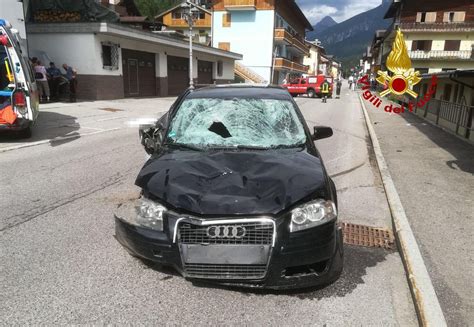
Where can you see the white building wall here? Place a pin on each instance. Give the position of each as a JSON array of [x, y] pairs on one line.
[[57, 47], [251, 34], [87, 57]]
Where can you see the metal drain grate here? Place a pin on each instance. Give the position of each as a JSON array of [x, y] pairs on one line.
[[111, 109], [367, 236]]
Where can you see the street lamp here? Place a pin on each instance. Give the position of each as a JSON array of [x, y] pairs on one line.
[[190, 16]]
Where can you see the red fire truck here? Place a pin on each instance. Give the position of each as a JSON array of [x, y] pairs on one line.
[[310, 85]]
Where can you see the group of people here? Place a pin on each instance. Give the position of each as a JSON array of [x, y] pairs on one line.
[[50, 80]]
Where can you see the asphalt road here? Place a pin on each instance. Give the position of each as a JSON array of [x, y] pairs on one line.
[[60, 263]]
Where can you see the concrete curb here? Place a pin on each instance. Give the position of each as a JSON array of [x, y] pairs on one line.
[[423, 293]]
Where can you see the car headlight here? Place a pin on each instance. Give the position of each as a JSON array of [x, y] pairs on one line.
[[142, 212], [312, 214]]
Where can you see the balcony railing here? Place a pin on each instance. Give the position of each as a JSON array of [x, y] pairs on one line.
[[441, 54], [282, 34], [283, 63], [444, 27], [240, 4]]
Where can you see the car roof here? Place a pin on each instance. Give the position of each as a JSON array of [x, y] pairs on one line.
[[230, 91]]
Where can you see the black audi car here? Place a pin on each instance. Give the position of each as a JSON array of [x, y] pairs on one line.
[[235, 192]]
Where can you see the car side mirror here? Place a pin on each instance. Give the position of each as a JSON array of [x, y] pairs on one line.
[[321, 132], [150, 138]]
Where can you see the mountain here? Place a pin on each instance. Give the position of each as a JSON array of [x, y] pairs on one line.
[[348, 40], [321, 26]]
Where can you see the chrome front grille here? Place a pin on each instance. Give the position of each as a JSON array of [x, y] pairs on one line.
[[256, 233], [225, 271]]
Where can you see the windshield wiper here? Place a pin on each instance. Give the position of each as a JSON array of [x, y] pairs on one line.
[[184, 146], [289, 146], [251, 147]]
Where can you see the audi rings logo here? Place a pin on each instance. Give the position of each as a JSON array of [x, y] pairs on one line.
[[226, 231]]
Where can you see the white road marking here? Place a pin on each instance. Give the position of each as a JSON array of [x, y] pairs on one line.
[[60, 138], [112, 118]]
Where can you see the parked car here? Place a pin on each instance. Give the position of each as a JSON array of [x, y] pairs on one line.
[[310, 85], [235, 192], [19, 98]]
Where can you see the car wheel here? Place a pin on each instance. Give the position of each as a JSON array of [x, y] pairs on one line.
[[26, 133], [311, 93], [294, 95]]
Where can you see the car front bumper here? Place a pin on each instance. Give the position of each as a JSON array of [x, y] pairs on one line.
[[313, 257]]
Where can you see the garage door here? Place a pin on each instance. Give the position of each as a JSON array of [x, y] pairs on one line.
[[204, 72], [138, 73], [178, 75]]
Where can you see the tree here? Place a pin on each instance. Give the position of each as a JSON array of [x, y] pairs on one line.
[[151, 8]]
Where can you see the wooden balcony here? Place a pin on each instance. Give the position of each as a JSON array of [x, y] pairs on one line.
[[169, 21], [283, 63], [441, 55], [282, 35], [240, 4]]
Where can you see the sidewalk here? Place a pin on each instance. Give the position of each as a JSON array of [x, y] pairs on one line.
[[433, 172]]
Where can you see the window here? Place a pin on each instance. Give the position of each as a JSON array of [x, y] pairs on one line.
[[424, 89], [426, 17], [202, 15], [456, 90], [110, 55], [424, 45], [454, 16], [176, 15], [452, 45], [422, 70], [224, 46], [447, 92], [220, 68], [226, 18]]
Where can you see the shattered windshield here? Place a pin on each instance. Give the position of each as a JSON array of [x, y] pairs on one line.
[[259, 123]]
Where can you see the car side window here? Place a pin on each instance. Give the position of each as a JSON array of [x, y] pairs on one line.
[[303, 81]]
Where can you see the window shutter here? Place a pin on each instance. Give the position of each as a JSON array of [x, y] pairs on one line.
[[431, 17], [224, 46], [226, 20], [418, 17], [446, 17], [459, 16]]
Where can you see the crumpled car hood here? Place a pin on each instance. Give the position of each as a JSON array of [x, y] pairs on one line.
[[232, 183]]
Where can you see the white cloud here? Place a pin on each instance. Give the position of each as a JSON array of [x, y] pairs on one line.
[[353, 9], [317, 13]]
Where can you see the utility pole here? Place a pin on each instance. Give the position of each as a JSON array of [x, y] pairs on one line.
[[189, 17]]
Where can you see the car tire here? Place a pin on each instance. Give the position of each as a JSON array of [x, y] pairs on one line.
[[294, 95], [25, 133], [311, 93]]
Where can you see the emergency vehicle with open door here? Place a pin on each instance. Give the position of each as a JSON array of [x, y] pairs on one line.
[[19, 98]]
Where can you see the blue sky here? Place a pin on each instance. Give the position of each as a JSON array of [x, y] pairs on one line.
[[339, 10]]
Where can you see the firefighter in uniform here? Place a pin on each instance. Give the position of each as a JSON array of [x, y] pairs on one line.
[[325, 90]]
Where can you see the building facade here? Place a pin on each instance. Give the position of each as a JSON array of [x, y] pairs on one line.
[[174, 20], [313, 59], [115, 61], [439, 35], [268, 33]]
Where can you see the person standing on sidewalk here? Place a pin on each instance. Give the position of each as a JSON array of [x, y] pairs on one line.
[[41, 77], [71, 77], [54, 75]]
